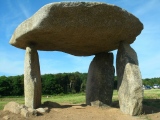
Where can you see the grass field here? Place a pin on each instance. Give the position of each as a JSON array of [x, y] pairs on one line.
[[151, 98]]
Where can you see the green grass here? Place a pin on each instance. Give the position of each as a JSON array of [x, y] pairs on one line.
[[151, 98], [63, 98], [66, 98], [115, 95], [152, 94], [5, 100]]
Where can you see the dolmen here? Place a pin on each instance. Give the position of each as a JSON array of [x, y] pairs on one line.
[[84, 29]]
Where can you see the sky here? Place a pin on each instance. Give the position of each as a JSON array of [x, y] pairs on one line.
[[147, 44]]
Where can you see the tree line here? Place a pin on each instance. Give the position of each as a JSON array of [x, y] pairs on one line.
[[151, 81], [51, 84], [54, 84]]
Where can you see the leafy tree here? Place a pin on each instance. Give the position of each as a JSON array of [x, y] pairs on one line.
[[17, 84], [151, 81], [55, 83], [5, 86]]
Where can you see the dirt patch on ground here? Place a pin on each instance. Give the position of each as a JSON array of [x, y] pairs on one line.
[[83, 112]]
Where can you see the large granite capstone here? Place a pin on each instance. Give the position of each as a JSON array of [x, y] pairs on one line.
[[78, 28]]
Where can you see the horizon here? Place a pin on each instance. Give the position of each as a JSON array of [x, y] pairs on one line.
[[69, 73]]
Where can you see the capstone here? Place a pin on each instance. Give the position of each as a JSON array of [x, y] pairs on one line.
[[77, 28]]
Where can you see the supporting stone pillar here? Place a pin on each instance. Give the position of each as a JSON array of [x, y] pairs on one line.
[[100, 80], [130, 92], [32, 78]]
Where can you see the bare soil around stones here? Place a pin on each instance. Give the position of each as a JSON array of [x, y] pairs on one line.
[[83, 112]]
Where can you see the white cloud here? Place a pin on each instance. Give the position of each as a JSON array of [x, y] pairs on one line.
[[50, 66], [150, 66], [58, 62], [146, 6], [11, 18], [24, 10], [9, 65]]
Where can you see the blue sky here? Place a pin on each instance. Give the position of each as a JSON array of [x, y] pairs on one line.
[[147, 44]]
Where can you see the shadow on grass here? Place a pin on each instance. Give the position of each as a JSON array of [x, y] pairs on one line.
[[150, 106], [51, 105], [115, 104]]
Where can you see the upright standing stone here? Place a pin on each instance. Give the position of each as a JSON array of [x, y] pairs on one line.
[[100, 79], [32, 79], [130, 92]]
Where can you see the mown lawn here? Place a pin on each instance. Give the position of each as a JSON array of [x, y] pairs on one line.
[[5, 100], [151, 98], [62, 98]]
